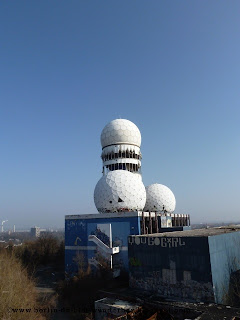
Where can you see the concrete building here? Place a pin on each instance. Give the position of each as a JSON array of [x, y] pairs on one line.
[[94, 237], [35, 232], [188, 265]]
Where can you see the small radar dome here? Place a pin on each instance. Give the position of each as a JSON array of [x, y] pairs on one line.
[[159, 198], [120, 131], [118, 191]]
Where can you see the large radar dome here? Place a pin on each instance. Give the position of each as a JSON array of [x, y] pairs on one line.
[[119, 190], [159, 198], [120, 131]]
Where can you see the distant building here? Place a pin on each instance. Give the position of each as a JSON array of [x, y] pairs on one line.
[[194, 265], [35, 232]]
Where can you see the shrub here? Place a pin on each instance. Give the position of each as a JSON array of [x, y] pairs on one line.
[[18, 297], [42, 251]]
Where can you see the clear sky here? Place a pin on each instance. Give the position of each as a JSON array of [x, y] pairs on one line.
[[69, 67]]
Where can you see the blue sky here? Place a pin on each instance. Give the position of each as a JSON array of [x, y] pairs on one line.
[[70, 67]]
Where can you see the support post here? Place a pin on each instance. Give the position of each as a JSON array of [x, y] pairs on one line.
[[143, 224], [150, 222], [156, 222]]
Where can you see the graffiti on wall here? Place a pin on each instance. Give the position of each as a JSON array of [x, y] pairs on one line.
[[77, 241], [194, 290], [157, 241], [166, 222], [70, 224]]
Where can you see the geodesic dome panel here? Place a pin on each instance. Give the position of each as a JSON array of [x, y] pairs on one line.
[[159, 198], [119, 190], [120, 131]]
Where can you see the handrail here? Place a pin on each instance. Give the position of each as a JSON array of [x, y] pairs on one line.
[[102, 245]]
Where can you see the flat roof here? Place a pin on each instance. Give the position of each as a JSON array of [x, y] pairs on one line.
[[119, 215], [105, 215], [206, 232]]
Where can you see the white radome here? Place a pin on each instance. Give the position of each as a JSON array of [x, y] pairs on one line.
[[119, 190], [120, 131], [159, 198]]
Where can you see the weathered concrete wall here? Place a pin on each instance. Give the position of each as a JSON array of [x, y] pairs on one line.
[[172, 267], [225, 258], [192, 290]]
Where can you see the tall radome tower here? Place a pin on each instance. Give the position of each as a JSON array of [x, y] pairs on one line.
[[120, 188], [121, 141]]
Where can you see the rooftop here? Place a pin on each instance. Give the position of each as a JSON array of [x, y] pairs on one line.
[[116, 303], [119, 215], [207, 232]]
